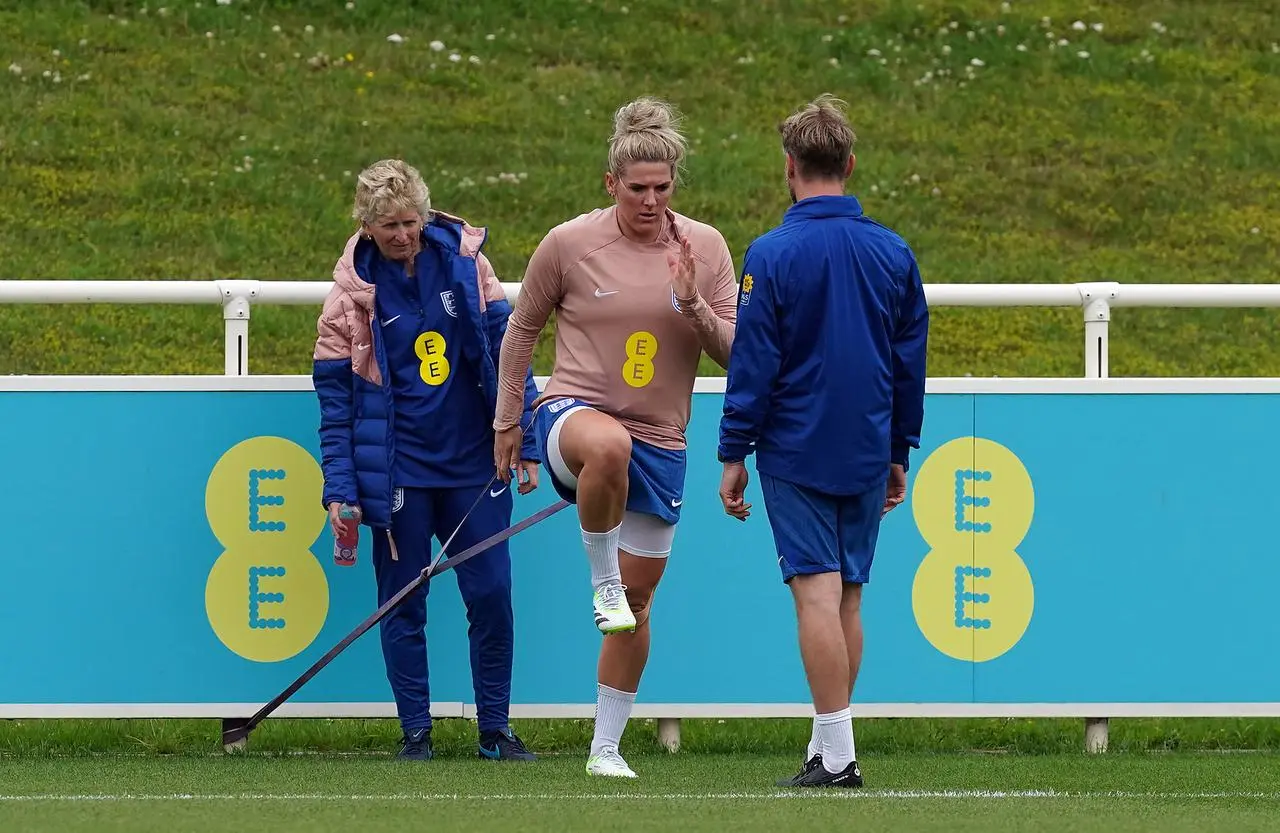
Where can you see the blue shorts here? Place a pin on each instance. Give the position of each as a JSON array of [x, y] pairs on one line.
[[815, 532], [656, 475]]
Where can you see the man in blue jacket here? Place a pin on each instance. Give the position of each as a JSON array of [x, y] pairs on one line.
[[406, 373], [826, 387]]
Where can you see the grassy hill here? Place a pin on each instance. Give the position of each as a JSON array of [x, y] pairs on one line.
[[1042, 141]]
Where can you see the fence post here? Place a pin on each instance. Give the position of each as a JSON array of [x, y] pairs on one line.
[[1096, 731], [1096, 299], [235, 314], [669, 733]]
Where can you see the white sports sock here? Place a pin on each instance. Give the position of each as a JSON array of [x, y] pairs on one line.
[[602, 554], [836, 730], [815, 741], [613, 710]]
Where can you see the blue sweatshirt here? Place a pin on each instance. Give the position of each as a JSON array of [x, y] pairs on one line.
[[827, 372], [443, 437]]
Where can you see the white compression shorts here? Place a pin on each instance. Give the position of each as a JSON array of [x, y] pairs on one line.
[[641, 534]]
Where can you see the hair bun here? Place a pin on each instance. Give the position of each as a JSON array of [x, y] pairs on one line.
[[646, 130], [644, 115]]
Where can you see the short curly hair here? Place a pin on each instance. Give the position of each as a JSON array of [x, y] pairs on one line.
[[389, 187]]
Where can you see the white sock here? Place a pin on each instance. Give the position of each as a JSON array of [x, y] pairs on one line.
[[602, 554], [613, 710], [815, 741], [836, 730]]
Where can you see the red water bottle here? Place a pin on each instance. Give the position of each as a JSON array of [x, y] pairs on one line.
[[344, 546]]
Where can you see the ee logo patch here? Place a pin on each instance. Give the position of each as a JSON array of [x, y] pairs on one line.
[[973, 596], [430, 349], [637, 370], [267, 595]]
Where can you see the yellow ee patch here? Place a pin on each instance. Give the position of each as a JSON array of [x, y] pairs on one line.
[[430, 348], [638, 369]]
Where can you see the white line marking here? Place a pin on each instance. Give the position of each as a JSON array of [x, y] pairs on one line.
[[775, 796]]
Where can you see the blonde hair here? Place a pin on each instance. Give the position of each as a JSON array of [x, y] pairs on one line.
[[646, 130], [389, 187], [819, 138]]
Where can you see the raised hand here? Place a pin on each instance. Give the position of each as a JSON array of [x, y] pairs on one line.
[[683, 272]]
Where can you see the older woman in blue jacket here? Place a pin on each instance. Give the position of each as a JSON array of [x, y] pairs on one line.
[[406, 373]]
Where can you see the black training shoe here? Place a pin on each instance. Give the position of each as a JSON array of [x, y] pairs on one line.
[[815, 761], [504, 746], [818, 776], [416, 746]]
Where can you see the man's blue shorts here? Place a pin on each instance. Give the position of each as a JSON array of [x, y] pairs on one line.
[[656, 475], [815, 532]]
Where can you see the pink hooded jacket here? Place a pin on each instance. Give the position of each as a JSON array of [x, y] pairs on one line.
[[345, 327]]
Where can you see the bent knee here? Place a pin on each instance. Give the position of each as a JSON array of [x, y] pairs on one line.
[[612, 451], [606, 446], [640, 599]]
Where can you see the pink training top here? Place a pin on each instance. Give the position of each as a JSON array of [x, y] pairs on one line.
[[623, 343]]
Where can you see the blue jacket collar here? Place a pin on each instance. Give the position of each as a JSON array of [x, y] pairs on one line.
[[444, 234], [816, 207], [362, 258]]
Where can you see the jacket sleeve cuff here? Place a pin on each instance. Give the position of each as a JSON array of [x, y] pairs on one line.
[[730, 452], [899, 454], [338, 497]]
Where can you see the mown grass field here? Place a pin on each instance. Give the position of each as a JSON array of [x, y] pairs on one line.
[[959, 775], [1031, 141], [693, 793]]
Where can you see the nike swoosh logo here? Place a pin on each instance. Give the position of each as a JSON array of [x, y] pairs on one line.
[[675, 503], [390, 321], [492, 493], [600, 294], [362, 347]]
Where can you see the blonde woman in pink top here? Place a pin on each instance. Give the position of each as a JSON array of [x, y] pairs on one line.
[[639, 292]]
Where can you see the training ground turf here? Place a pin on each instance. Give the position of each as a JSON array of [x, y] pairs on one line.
[[1168, 793]]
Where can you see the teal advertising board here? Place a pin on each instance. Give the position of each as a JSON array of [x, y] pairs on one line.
[[166, 553]]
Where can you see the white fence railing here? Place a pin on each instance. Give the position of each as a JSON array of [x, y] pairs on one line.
[[237, 298]]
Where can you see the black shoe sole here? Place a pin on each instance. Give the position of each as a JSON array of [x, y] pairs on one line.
[[851, 784]]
